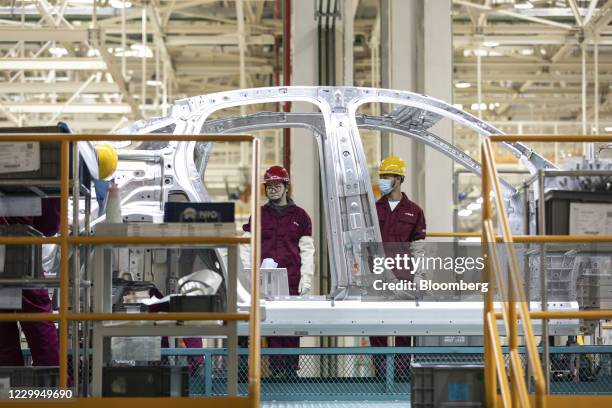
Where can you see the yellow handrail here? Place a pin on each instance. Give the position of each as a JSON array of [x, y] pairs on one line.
[[490, 178], [491, 175], [64, 240]]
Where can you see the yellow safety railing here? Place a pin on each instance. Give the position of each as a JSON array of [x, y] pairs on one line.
[[513, 301], [65, 240]]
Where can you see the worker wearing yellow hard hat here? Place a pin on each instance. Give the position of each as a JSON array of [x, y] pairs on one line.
[[107, 161], [400, 220], [106, 157], [392, 165]]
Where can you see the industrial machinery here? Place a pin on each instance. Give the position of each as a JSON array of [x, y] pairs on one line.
[[152, 174], [174, 171]]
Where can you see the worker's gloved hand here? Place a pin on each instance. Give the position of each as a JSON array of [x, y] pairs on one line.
[[305, 285], [417, 248]]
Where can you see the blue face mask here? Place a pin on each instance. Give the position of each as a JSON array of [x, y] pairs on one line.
[[385, 185]]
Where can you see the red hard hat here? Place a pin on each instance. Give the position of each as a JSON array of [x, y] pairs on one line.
[[276, 173]]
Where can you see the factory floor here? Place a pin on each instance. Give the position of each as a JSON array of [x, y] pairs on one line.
[[335, 404]]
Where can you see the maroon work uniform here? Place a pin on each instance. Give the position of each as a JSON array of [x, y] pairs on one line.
[[281, 230], [405, 223], [41, 336]]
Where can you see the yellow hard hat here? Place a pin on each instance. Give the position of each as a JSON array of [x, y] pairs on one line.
[[392, 165], [107, 161]]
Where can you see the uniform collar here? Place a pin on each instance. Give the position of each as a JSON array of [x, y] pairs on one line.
[[403, 200], [280, 208]]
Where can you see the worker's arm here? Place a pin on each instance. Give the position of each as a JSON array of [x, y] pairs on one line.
[[307, 250], [245, 249], [417, 244]]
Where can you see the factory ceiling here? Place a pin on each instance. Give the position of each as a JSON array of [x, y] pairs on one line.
[[99, 65]]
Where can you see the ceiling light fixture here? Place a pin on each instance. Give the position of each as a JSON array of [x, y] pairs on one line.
[[490, 43], [58, 51], [523, 5], [119, 4], [462, 85]]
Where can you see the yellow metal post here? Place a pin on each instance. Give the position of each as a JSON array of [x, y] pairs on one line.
[[64, 240], [254, 332], [63, 303], [490, 366]]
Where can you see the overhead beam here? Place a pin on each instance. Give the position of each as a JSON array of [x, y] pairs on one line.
[[47, 11], [113, 108], [14, 119], [511, 28], [518, 100], [61, 64], [463, 76], [559, 54], [42, 34], [241, 34], [159, 37], [180, 27], [214, 40], [601, 20], [211, 68], [512, 14], [576, 12], [71, 100], [114, 69], [76, 124], [532, 39], [56, 87], [590, 11]]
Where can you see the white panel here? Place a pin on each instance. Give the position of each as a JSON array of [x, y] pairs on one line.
[[304, 151], [438, 76], [403, 64]]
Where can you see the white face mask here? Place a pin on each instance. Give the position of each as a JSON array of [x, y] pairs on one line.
[[385, 185]]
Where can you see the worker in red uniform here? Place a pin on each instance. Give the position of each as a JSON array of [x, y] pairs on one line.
[[286, 237], [42, 336], [402, 221]]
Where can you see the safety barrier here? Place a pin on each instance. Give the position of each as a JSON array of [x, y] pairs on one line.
[[65, 240], [514, 307], [374, 373]]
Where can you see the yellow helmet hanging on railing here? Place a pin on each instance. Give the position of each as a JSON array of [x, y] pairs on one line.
[[392, 165], [107, 161]]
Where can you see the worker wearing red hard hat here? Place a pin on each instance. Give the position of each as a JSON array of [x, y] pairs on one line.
[[400, 220], [286, 237]]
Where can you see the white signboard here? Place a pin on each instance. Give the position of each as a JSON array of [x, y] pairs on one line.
[[17, 157], [20, 206], [590, 219], [10, 298]]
